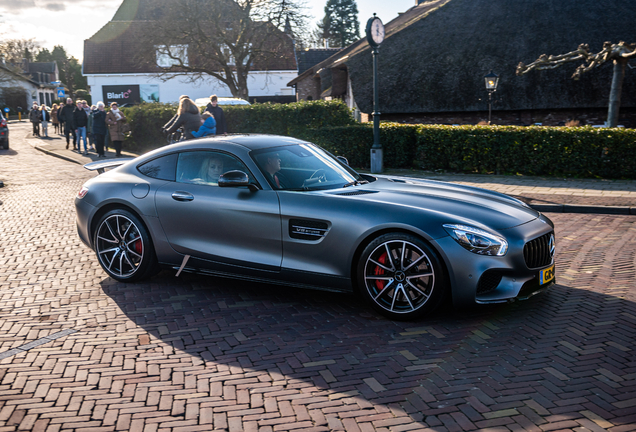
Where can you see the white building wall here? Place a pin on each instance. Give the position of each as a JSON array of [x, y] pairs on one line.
[[260, 83], [34, 93]]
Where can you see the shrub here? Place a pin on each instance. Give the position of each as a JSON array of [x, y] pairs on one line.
[[281, 119], [534, 150], [146, 121]]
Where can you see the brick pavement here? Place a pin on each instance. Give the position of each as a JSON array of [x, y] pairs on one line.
[[199, 353]]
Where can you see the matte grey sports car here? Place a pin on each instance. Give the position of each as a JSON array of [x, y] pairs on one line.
[[277, 209]]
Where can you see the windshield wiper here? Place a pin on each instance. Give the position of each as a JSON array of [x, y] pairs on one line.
[[355, 183]]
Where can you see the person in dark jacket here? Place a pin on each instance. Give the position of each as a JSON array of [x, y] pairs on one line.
[[187, 116], [66, 115], [207, 128], [99, 128], [214, 109], [35, 117], [80, 120]]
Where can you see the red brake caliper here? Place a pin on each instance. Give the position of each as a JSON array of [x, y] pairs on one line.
[[138, 246], [379, 271]]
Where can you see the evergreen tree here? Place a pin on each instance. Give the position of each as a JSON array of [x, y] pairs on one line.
[[69, 67], [340, 26]]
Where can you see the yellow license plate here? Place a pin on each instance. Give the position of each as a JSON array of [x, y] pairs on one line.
[[546, 275]]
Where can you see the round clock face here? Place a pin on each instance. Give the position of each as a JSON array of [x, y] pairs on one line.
[[377, 31]]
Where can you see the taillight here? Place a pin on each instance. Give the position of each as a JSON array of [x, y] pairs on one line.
[[3, 123], [82, 193]]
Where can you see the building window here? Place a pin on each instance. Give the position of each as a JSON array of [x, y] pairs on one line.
[[227, 54], [171, 55]]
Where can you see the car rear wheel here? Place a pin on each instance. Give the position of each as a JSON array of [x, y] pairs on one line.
[[123, 247], [401, 276]]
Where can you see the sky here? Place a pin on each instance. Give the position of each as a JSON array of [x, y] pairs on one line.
[[69, 22]]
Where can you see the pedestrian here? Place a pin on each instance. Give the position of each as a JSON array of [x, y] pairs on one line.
[[187, 116], [214, 109], [54, 120], [61, 120], [35, 117], [99, 128], [80, 120], [46, 118], [89, 126], [208, 126], [65, 115], [115, 119]]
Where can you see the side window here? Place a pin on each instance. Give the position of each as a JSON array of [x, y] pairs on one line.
[[205, 167], [162, 168]]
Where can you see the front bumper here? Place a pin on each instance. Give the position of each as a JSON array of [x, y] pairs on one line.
[[478, 279]]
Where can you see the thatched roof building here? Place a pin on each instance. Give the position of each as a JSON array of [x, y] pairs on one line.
[[435, 56]]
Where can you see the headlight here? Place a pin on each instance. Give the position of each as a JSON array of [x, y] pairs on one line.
[[477, 240]]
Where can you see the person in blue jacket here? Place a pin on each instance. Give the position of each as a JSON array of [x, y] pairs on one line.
[[208, 127]]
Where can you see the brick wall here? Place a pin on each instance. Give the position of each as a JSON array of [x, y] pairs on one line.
[[306, 88]]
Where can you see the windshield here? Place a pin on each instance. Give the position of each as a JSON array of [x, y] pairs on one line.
[[304, 167]]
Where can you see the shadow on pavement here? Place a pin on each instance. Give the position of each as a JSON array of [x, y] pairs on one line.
[[539, 352]]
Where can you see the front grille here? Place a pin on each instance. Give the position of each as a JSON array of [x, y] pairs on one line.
[[540, 251], [489, 281]]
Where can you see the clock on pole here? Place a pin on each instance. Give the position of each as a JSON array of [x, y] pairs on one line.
[[375, 36]]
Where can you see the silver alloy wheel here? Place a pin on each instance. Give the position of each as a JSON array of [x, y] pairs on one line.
[[119, 246], [399, 276]]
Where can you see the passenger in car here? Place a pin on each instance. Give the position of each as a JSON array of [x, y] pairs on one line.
[[210, 171]]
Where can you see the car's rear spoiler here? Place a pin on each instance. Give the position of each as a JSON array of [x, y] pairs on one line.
[[101, 166]]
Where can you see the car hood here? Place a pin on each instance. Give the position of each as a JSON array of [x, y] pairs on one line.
[[457, 202]]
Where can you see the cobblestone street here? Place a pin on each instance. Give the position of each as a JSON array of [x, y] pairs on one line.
[[80, 351]]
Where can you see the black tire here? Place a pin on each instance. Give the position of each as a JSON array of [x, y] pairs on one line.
[[123, 247], [401, 276]]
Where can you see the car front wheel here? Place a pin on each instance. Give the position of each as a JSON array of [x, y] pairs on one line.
[[401, 276], [123, 246]]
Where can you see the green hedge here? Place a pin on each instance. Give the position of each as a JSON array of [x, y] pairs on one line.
[[281, 119], [147, 120], [535, 150]]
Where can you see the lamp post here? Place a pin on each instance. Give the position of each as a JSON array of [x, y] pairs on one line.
[[375, 36], [492, 80]]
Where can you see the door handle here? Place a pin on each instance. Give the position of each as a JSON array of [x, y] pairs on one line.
[[182, 196]]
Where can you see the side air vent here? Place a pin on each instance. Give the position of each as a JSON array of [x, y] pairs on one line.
[[303, 229], [358, 192]]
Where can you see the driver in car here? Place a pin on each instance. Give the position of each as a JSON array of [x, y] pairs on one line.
[[271, 168]]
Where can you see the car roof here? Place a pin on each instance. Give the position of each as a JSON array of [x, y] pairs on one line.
[[248, 141], [261, 141]]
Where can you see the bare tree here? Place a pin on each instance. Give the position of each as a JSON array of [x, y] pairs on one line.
[[223, 39], [619, 54], [14, 50]]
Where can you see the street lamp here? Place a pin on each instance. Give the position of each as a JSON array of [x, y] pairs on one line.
[[492, 80]]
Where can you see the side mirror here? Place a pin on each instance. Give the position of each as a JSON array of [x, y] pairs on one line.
[[343, 159], [235, 179]]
